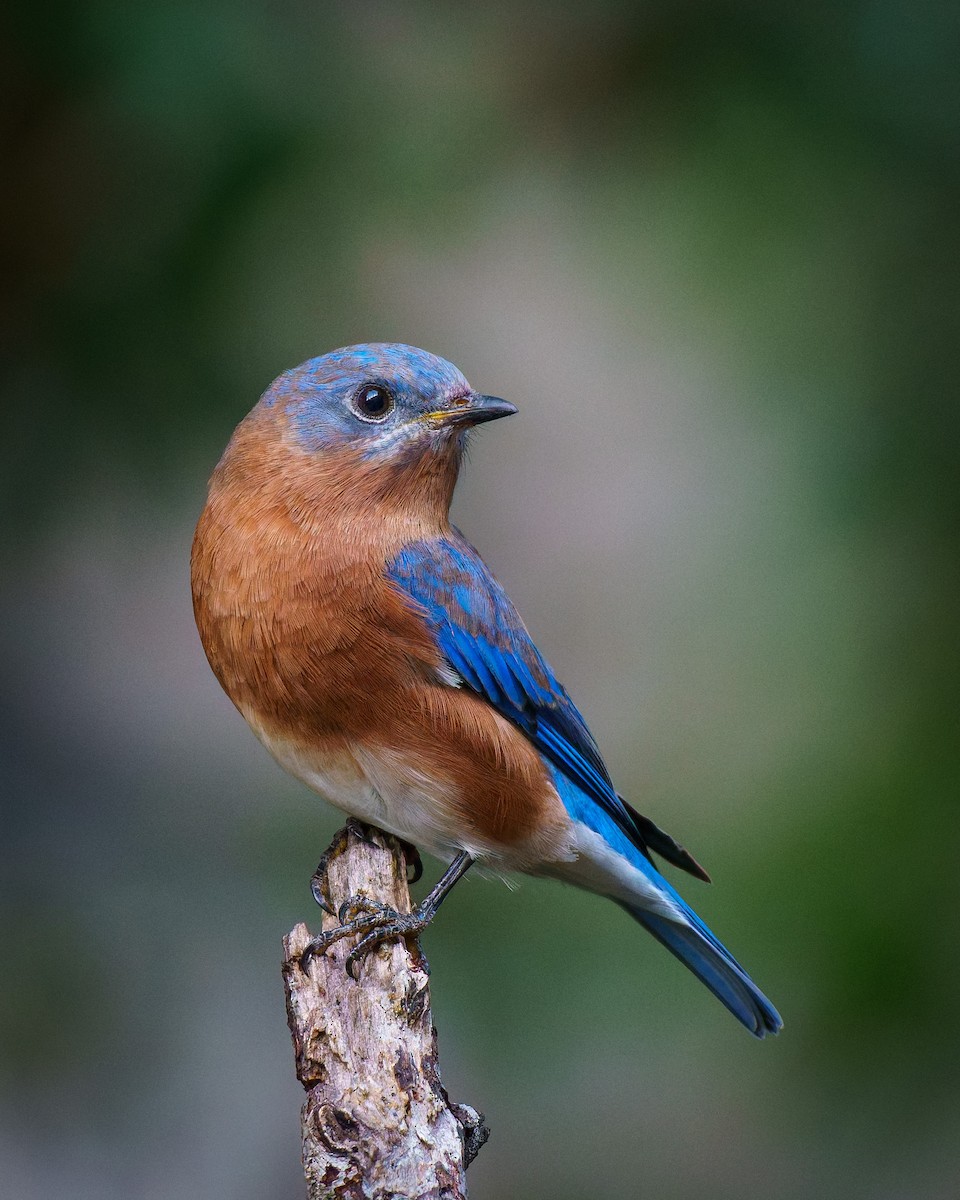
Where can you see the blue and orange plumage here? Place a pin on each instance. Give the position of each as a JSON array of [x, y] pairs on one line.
[[372, 652]]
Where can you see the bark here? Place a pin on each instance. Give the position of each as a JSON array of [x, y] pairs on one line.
[[376, 1122]]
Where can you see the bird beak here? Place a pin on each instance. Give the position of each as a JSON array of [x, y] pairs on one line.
[[473, 409]]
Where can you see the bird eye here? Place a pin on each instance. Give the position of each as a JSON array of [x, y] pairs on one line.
[[373, 402]]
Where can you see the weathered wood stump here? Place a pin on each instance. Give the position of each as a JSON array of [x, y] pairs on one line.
[[376, 1122]]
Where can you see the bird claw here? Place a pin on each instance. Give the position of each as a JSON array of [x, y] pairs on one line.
[[373, 923], [360, 831], [318, 881], [413, 860], [395, 925], [319, 945], [360, 906]]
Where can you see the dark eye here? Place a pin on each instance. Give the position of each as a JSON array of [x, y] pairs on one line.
[[373, 402]]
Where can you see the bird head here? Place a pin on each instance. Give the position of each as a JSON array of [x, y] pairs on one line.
[[386, 401]]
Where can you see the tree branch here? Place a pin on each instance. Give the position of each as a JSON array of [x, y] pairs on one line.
[[376, 1122]]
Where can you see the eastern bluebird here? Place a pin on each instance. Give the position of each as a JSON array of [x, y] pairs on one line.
[[378, 660]]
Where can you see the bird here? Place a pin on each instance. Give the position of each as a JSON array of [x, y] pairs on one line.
[[379, 661]]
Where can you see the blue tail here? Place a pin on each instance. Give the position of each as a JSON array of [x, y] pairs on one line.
[[687, 937], [714, 965]]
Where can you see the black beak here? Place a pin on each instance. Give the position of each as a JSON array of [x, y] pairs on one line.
[[478, 409]]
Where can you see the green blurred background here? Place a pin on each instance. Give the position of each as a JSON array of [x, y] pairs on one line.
[[712, 251]]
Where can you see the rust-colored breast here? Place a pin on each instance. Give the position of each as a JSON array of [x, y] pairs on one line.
[[324, 656], [291, 602]]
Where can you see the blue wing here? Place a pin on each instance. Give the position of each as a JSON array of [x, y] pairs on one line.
[[481, 635]]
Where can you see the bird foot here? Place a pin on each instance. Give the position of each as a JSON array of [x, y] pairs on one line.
[[372, 922], [413, 860], [318, 881]]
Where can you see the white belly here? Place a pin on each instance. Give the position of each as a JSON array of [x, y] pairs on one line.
[[384, 787]]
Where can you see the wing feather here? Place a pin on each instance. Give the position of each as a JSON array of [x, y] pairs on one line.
[[481, 635]]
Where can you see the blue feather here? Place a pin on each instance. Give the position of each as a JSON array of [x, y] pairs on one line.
[[697, 947], [481, 635], [715, 966]]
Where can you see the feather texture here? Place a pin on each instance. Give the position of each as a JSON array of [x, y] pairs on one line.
[[481, 635]]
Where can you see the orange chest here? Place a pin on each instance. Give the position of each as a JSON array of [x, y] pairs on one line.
[[305, 633], [296, 615]]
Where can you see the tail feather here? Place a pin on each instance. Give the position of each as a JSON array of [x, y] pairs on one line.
[[608, 862], [698, 949]]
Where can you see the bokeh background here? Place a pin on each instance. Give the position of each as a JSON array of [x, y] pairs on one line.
[[712, 251]]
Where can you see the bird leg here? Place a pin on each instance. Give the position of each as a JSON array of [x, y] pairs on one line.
[[373, 922]]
